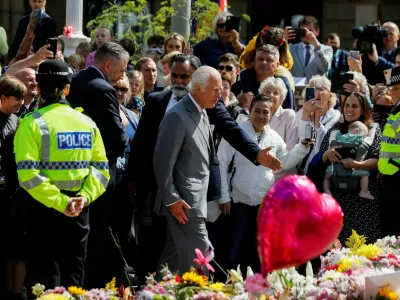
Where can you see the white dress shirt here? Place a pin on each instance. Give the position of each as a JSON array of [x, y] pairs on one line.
[[172, 101]]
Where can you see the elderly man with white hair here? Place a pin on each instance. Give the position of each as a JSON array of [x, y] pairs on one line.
[[283, 121], [182, 161]]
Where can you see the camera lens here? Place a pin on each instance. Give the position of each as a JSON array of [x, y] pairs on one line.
[[365, 47]]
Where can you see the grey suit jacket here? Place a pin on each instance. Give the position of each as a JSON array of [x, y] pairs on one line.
[[319, 64], [182, 160]]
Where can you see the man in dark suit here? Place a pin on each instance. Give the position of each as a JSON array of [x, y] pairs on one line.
[[339, 59], [141, 171], [91, 90], [46, 29]]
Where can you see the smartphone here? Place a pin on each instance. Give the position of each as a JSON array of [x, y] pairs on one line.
[[232, 23], [338, 80], [300, 33], [310, 93], [383, 110], [354, 54], [53, 46]]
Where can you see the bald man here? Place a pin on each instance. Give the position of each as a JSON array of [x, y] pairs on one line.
[[28, 78], [390, 41]]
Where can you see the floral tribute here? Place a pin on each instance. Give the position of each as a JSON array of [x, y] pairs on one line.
[[341, 276]]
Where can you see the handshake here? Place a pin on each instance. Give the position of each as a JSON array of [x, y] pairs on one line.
[[75, 206]]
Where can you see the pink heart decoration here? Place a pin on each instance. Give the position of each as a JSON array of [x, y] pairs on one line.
[[295, 224]]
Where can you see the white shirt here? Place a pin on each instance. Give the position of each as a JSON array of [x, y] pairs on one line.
[[201, 111], [305, 49]]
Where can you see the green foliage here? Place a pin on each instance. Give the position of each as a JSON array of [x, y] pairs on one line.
[[146, 25]]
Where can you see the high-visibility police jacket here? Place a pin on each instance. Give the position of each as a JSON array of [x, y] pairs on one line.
[[59, 149], [390, 145]]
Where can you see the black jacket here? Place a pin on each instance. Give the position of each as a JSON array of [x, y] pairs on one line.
[[141, 170], [45, 30], [98, 98]]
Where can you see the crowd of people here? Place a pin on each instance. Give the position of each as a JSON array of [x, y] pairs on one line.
[[111, 167]]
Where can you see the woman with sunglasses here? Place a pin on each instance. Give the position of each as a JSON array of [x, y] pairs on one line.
[[219, 43], [362, 215], [122, 216]]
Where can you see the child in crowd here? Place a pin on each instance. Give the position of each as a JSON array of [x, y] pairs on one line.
[[137, 92], [102, 35], [358, 132], [76, 61], [83, 49]]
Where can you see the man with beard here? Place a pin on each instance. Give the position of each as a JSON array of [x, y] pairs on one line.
[[143, 186], [28, 78], [339, 60], [91, 90]]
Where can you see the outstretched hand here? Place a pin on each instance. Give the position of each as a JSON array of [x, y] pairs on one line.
[[265, 159]]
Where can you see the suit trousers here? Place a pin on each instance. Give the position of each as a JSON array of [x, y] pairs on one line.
[[102, 263], [57, 247], [182, 240]]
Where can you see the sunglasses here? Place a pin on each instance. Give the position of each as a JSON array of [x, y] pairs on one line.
[[227, 68], [222, 25], [181, 76], [123, 90]]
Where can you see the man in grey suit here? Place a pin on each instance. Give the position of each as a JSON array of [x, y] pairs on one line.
[[310, 57], [182, 160]]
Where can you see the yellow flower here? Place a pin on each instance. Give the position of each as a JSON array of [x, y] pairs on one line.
[[344, 265], [218, 286], [37, 289], [369, 251], [192, 278], [388, 293], [53, 297], [76, 291], [355, 241], [112, 285]]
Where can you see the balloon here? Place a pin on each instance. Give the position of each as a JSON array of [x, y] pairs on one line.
[[295, 224]]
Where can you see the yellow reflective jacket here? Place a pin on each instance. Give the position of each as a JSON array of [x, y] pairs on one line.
[[390, 146], [59, 149]]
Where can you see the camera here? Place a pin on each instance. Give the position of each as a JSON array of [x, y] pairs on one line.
[[368, 35]]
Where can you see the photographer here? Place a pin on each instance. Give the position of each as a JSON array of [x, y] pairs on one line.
[[381, 56]]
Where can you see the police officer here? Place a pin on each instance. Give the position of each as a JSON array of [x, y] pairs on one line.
[[389, 158], [62, 164]]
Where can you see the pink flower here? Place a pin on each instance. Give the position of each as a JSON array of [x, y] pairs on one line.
[[204, 260], [256, 284]]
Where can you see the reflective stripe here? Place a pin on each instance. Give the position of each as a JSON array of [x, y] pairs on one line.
[[64, 165], [388, 140], [28, 165], [100, 177], [389, 155], [67, 184], [44, 132], [100, 165], [395, 125], [34, 182]]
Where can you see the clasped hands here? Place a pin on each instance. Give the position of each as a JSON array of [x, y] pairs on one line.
[[75, 206]]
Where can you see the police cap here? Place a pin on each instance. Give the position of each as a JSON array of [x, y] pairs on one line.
[[54, 70]]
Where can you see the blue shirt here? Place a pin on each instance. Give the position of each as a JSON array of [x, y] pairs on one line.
[[209, 51]]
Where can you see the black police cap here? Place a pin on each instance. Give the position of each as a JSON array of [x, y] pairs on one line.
[[54, 70]]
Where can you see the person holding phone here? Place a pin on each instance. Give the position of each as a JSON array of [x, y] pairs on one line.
[[317, 116], [310, 56], [222, 40]]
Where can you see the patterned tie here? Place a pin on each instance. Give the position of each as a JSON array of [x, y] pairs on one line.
[[308, 55], [208, 127]]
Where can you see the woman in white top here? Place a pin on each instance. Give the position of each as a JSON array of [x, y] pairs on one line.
[[317, 115], [247, 184], [283, 121]]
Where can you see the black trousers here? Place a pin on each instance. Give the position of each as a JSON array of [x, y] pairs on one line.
[[100, 266], [390, 204], [56, 247]]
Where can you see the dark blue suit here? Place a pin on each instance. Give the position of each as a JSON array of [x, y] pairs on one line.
[[98, 98], [339, 62], [141, 171], [45, 30], [249, 83], [374, 71]]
